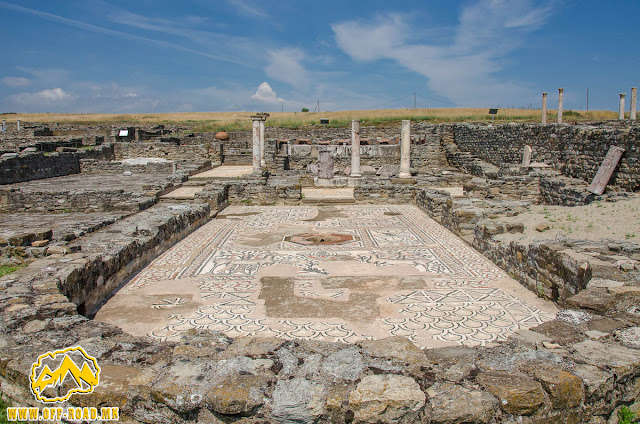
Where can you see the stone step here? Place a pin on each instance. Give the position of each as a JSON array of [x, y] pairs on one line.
[[225, 171], [182, 193], [320, 196]]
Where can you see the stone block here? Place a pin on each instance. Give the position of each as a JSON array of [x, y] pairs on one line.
[[237, 394], [564, 389], [623, 361], [298, 401], [517, 394], [386, 398], [452, 403]]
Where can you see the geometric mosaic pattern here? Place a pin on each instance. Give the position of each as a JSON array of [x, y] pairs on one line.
[[394, 272]]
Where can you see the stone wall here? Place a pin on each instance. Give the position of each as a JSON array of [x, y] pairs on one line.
[[182, 167], [73, 201], [33, 166], [575, 150], [169, 151]]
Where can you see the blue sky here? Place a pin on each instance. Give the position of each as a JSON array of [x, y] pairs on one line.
[[114, 56]]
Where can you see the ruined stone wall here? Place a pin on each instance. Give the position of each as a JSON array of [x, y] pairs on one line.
[[37, 165], [73, 201], [575, 150], [169, 151]]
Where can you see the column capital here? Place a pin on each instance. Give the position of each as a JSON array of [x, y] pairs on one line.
[[544, 93], [622, 95], [560, 90]]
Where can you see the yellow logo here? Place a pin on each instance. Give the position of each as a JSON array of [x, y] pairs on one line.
[[59, 374]]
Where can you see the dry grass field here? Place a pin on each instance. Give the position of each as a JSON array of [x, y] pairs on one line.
[[214, 121]]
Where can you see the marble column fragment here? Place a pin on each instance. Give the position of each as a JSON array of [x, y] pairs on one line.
[[262, 162], [405, 150], [560, 106], [621, 107], [355, 149], [544, 108], [634, 100], [257, 169]]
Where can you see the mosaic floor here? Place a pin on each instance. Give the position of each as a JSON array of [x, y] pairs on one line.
[[336, 273]]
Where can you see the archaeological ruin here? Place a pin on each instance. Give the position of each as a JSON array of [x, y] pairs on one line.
[[413, 272]]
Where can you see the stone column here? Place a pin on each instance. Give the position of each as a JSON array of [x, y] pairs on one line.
[[621, 107], [544, 108], [560, 98], [405, 150], [262, 162], [18, 125], [634, 100], [4, 125], [355, 149], [257, 169]]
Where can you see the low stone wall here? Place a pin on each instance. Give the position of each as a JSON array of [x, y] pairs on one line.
[[73, 201], [37, 165], [170, 151], [182, 167]]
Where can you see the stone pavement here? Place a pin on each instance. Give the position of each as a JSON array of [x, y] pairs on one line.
[[183, 193], [328, 195], [226, 171], [336, 273]]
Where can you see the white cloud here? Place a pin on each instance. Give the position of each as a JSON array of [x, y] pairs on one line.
[[49, 96], [265, 94], [285, 65], [16, 81], [466, 70]]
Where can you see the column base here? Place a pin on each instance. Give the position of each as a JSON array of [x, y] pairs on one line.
[[404, 175]]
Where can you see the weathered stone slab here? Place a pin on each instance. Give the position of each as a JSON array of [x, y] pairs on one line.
[[526, 156], [619, 359], [605, 171], [386, 399], [298, 401], [325, 164], [517, 394], [452, 403], [237, 395], [564, 389]]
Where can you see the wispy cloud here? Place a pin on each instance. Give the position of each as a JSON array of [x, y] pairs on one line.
[[107, 31], [16, 81], [467, 69], [40, 98], [249, 8]]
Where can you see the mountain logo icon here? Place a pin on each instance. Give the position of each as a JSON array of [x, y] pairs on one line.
[[58, 374]]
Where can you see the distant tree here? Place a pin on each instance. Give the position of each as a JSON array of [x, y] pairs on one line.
[[304, 109]]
